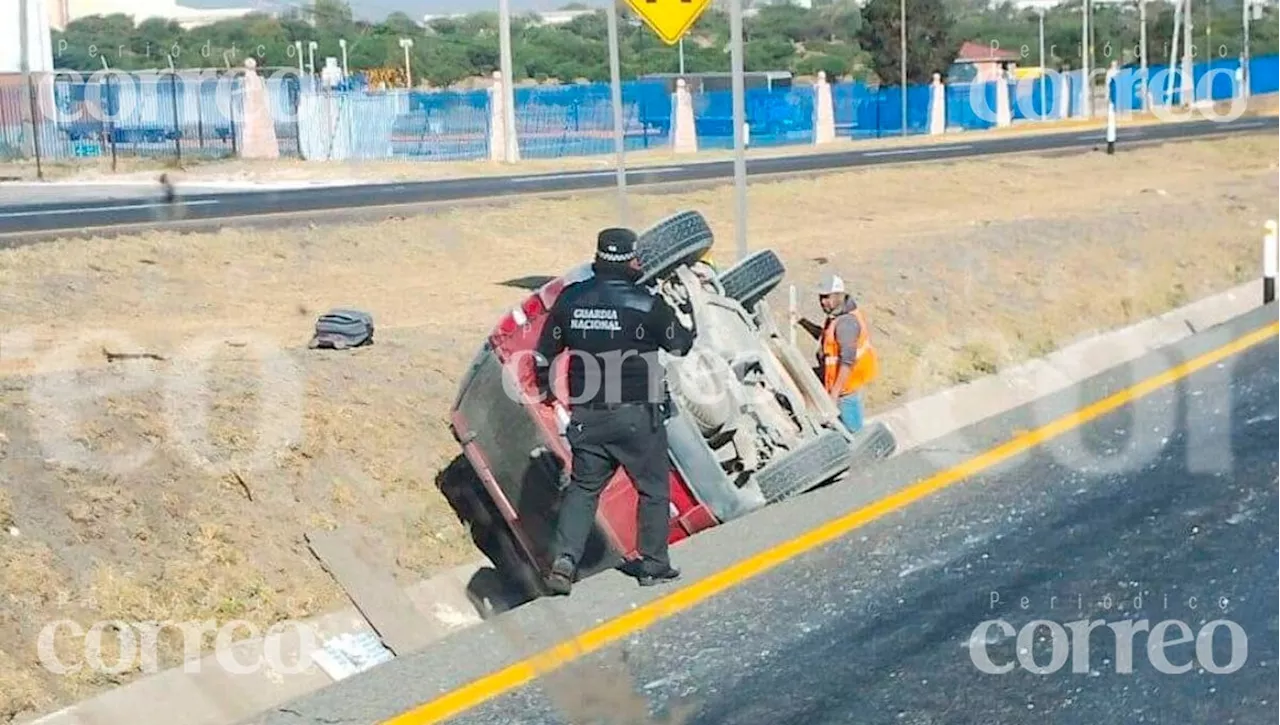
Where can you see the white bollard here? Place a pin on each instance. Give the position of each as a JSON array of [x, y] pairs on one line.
[[1111, 108], [1270, 263], [1111, 128]]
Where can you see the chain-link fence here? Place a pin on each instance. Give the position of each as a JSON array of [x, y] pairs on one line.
[[200, 114]]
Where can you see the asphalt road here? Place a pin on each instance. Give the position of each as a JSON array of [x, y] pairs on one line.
[[81, 215], [1171, 499], [875, 627]]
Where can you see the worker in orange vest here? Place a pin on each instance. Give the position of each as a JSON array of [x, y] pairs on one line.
[[846, 359]]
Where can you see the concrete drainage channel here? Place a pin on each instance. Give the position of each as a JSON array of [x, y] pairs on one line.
[[388, 621]]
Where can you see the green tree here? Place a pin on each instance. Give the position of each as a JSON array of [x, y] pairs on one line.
[[835, 36], [930, 44]]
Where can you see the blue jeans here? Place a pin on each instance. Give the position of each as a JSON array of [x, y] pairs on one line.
[[851, 411]]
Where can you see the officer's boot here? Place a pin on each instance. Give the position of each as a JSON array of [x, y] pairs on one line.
[[560, 581], [651, 574]]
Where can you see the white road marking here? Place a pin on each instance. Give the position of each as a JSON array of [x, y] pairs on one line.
[[589, 174], [1102, 135], [921, 150], [578, 175], [94, 209]]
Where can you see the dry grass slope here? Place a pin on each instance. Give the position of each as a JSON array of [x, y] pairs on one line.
[[131, 505]]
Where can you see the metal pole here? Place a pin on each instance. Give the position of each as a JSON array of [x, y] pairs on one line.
[[1044, 112], [1173, 51], [902, 39], [509, 82], [1244, 53], [1208, 31], [1188, 86], [1142, 51], [739, 121], [24, 63], [1086, 101], [682, 56], [177, 123], [615, 75]]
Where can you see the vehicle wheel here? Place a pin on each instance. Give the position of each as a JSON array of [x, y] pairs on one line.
[[521, 576], [874, 442], [679, 239], [752, 279], [806, 467], [489, 530], [699, 386]]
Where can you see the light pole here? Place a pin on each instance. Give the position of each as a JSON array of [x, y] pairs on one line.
[[739, 123], [1173, 51], [1244, 52], [346, 70], [1142, 49], [615, 93], [512, 148], [297, 44], [1188, 85], [1086, 101], [407, 43], [902, 39], [1044, 112]]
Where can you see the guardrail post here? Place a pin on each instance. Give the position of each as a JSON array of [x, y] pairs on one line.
[[1270, 263]]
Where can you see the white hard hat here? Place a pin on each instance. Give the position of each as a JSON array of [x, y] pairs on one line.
[[831, 284]]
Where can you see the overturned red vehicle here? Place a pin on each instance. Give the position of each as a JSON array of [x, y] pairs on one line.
[[752, 424]]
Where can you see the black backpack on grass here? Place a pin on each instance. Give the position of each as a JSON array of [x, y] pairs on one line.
[[340, 329]]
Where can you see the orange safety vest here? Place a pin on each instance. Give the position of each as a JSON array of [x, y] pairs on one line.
[[865, 366]]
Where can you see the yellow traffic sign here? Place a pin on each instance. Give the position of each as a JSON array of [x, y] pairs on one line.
[[670, 19]]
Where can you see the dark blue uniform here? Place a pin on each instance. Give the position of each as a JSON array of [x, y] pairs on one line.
[[613, 329]]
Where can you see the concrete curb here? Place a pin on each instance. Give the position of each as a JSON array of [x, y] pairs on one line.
[[214, 696], [205, 692], [932, 417]]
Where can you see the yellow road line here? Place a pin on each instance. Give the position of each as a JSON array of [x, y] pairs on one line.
[[525, 671]]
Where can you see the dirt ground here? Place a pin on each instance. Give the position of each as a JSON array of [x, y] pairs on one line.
[[146, 489], [292, 170]]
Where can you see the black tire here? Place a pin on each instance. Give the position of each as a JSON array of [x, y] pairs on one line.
[[873, 442], [521, 577], [489, 531], [679, 239], [752, 279], [805, 468]]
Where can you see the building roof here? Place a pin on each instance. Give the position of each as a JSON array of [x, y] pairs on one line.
[[972, 52]]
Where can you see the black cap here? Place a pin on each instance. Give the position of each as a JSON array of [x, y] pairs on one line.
[[616, 244]]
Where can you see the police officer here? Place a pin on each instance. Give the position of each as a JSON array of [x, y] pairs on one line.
[[613, 329]]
